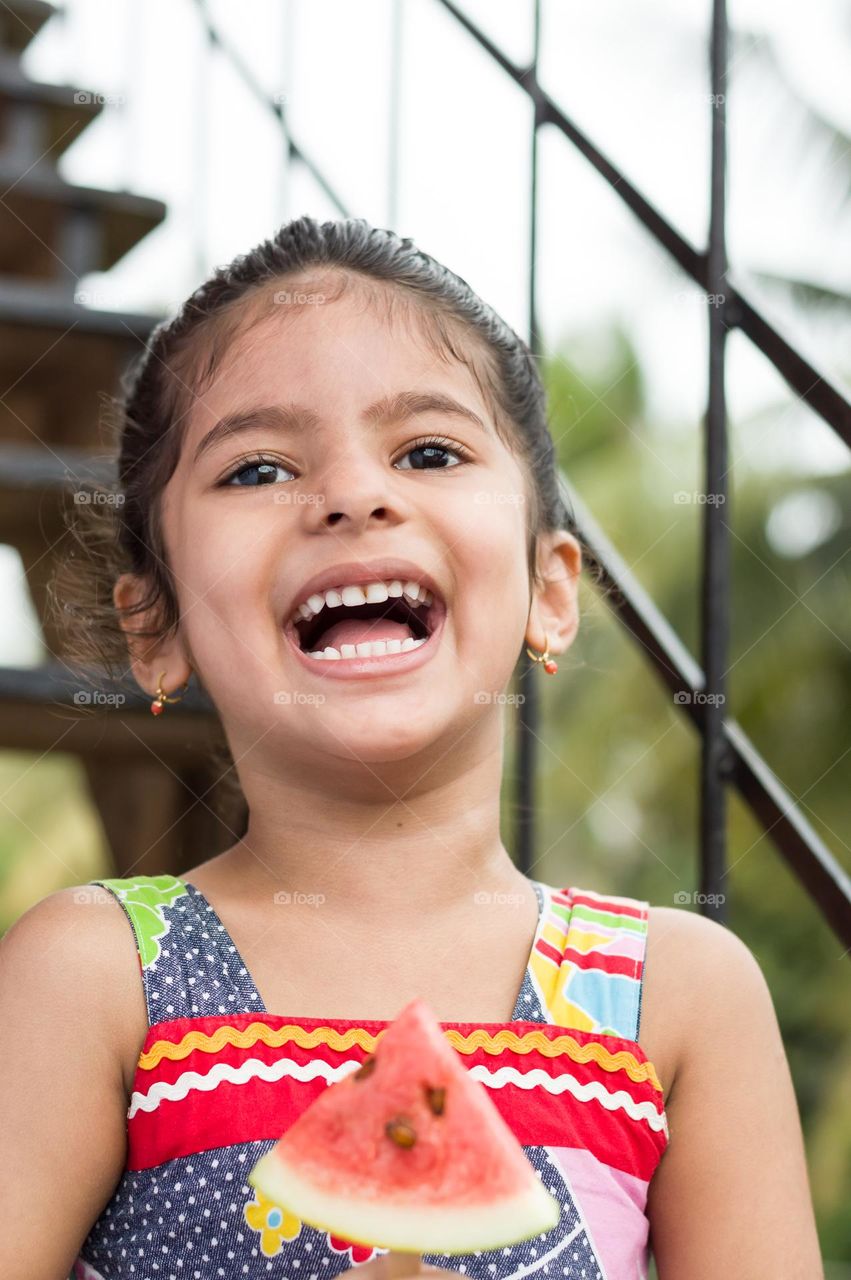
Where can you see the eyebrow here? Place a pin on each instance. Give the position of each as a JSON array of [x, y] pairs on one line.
[[297, 419]]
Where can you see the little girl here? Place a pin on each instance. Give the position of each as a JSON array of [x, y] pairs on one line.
[[355, 625]]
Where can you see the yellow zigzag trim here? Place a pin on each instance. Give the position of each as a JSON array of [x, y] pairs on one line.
[[253, 1032], [479, 1039]]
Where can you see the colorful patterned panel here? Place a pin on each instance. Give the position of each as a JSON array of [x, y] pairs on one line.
[[587, 963]]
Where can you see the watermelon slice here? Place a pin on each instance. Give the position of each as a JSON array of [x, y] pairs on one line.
[[408, 1152]]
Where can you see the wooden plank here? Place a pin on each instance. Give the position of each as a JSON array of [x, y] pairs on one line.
[[21, 20], [39, 121], [58, 361], [37, 204]]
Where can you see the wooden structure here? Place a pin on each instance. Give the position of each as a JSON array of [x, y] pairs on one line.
[[154, 782]]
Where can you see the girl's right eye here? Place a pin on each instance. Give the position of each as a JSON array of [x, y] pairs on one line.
[[261, 467]]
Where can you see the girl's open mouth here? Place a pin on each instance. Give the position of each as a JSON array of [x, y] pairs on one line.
[[380, 627]]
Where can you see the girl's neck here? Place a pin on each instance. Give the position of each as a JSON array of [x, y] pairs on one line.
[[368, 856]]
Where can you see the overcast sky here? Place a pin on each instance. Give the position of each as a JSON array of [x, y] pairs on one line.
[[179, 125]]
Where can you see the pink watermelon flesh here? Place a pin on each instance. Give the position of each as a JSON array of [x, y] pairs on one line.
[[463, 1184]]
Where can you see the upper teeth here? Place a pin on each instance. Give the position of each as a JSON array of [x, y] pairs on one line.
[[369, 593]]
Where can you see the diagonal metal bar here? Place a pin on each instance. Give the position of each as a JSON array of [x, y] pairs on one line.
[[782, 818], [802, 376], [251, 82], [740, 763], [806, 381]]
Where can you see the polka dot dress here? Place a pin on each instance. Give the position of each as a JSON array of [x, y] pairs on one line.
[[183, 1209]]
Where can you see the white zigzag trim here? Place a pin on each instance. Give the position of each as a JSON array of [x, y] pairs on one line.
[[249, 1070], [253, 1068], [619, 1100]]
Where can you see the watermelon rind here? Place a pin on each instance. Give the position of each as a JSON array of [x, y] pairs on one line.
[[408, 1227]]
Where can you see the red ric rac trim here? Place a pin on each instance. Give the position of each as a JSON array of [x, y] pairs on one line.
[[594, 1091]]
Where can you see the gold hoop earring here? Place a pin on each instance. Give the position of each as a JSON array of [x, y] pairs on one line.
[[550, 664], [158, 704]]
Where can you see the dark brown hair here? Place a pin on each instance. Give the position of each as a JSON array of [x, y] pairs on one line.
[[182, 357]]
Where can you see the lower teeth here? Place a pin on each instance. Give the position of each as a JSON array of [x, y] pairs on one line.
[[369, 649]]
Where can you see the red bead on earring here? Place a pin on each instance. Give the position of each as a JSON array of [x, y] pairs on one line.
[[158, 704], [550, 664]]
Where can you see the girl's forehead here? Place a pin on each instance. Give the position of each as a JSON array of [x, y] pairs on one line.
[[335, 352]]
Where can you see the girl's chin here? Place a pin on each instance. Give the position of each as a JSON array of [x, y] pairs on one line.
[[380, 740]]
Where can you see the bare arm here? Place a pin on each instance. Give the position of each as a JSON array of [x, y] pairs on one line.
[[62, 1094], [731, 1195]]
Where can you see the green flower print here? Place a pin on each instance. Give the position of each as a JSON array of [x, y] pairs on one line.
[[144, 898]]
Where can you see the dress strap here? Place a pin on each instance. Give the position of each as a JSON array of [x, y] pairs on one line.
[[590, 963], [189, 965]]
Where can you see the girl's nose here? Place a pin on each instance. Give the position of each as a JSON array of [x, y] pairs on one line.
[[353, 495]]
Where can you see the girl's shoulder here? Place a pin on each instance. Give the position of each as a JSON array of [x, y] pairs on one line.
[[66, 999], [691, 965], [80, 932]]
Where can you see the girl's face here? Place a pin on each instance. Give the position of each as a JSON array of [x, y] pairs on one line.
[[333, 480]]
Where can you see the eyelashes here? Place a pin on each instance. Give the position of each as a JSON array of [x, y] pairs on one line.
[[440, 443], [266, 465], [252, 463]]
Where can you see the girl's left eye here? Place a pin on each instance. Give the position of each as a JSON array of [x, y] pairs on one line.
[[433, 450]]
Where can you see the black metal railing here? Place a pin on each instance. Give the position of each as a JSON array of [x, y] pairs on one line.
[[728, 757]]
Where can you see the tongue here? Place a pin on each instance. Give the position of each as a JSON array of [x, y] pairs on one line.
[[359, 630]]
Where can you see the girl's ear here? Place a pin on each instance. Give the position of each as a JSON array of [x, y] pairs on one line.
[[555, 602], [149, 655]]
